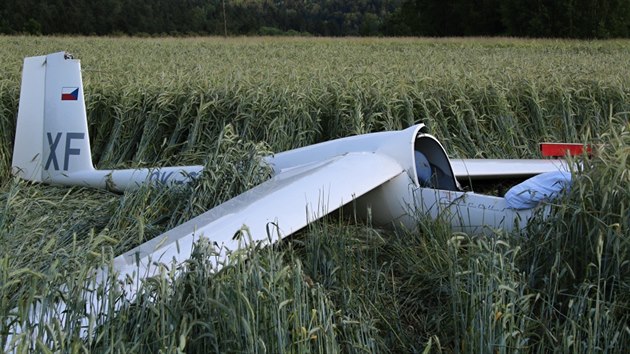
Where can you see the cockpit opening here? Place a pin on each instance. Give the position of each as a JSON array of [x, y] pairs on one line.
[[433, 168]]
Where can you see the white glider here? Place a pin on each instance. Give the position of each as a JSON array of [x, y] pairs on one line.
[[390, 175]]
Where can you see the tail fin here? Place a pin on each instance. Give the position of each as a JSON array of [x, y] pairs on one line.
[[51, 138]]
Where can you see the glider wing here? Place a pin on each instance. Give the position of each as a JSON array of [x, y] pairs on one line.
[[275, 209], [504, 168]]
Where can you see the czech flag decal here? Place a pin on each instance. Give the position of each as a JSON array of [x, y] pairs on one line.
[[69, 93]]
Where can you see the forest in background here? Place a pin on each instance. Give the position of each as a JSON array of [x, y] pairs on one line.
[[520, 18]]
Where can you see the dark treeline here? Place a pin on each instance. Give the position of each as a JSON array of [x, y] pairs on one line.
[[520, 18], [529, 18]]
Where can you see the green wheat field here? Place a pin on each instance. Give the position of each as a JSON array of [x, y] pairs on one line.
[[340, 285]]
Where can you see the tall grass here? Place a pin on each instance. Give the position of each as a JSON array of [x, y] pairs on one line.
[[338, 286]]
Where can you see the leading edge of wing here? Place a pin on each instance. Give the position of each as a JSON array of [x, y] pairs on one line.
[[282, 205], [504, 168]]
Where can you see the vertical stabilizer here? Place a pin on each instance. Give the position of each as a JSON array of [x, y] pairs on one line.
[[52, 137], [66, 140]]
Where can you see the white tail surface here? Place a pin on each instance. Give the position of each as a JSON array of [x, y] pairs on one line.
[[52, 136], [29, 144], [52, 144]]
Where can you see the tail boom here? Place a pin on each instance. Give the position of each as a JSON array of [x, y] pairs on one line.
[[131, 179]]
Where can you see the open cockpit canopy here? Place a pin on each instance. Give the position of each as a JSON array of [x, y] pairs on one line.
[[433, 168]]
